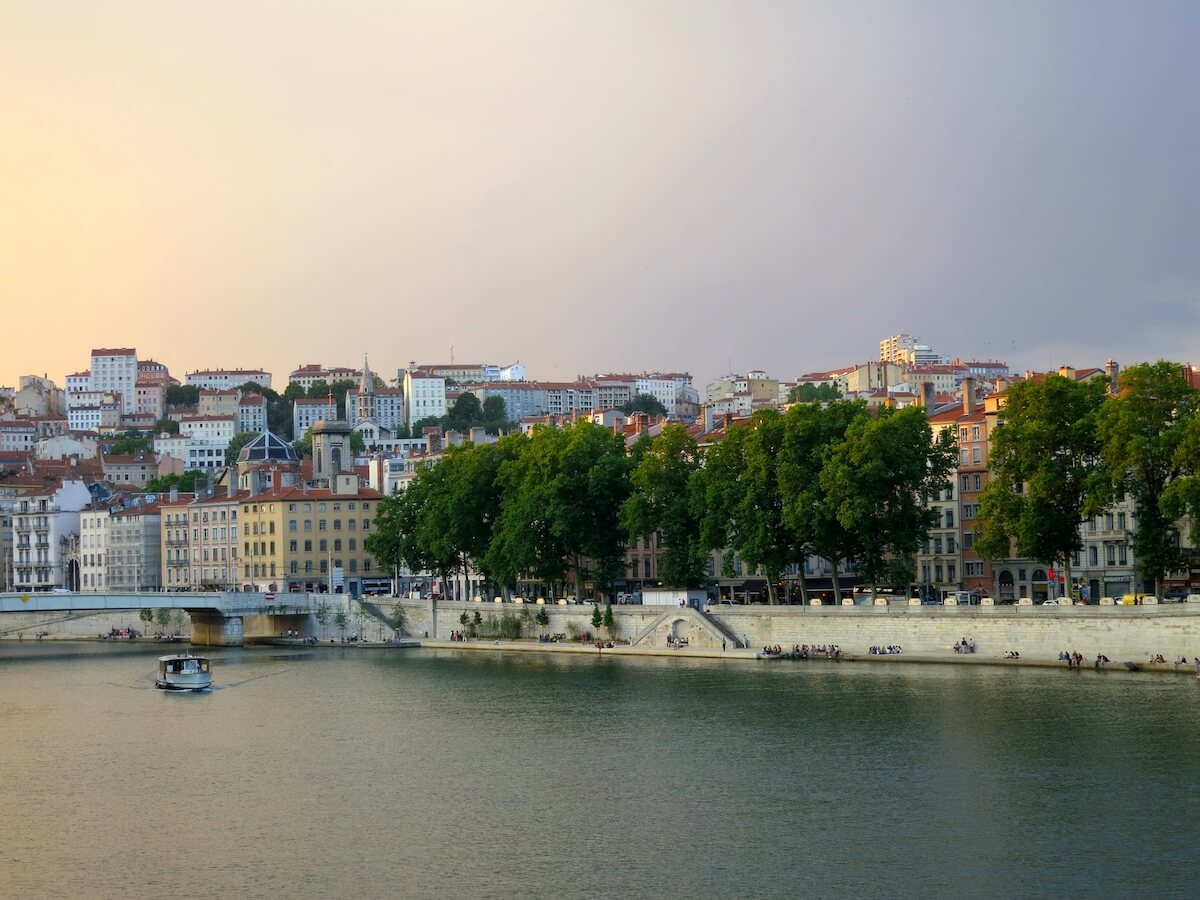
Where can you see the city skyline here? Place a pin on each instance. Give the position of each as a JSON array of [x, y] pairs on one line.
[[694, 186]]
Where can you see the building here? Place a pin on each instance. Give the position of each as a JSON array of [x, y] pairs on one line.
[[134, 554], [116, 371], [424, 395], [93, 549], [136, 469], [17, 436], [174, 530], [308, 375], [37, 396], [201, 442], [150, 398], [306, 413], [44, 523], [226, 379], [251, 414]]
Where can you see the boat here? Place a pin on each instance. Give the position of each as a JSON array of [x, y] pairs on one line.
[[183, 672]]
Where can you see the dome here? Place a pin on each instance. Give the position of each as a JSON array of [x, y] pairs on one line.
[[268, 447]]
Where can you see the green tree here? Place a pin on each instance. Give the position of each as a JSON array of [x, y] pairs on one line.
[[609, 622], [186, 483], [240, 440], [597, 616], [742, 502], [877, 481], [644, 403], [1141, 429], [495, 415], [166, 426], [147, 617], [562, 494], [182, 395], [322, 615], [464, 620], [1047, 474], [813, 393], [811, 431], [162, 617], [466, 412], [542, 617], [662, 501], [340, 621], [399, 617], [129, 443]]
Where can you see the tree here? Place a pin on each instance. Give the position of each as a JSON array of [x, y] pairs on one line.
[[663, 481], [464, 620], [562, 490], [813, 393], [609, 622], [399, 617], [358, 444], [186, 483], [465, 413], [495, 415], [183, 395], [597, 616], [166, 426], [877, 480], [1141, 430], [1047, 474], [811, 431], [322, 616], [240, 440], [129, 443], [162, 617], [341, 620], [542, 617], [147, 616], [742, 502], [645, 403]]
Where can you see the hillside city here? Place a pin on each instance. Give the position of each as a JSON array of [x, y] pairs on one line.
[[127, 478]]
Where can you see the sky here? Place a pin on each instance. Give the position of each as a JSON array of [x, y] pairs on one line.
[[610, 185]]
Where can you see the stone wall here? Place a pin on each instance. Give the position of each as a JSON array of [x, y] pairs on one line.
[[80, 625], [1119, 632]]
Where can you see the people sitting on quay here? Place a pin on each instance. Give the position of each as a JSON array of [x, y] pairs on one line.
[[1157, 659], [772, 650], [1101, 659], [1012, 654], [889, 650]]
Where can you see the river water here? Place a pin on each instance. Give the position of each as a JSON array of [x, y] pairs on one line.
[[418, 773]]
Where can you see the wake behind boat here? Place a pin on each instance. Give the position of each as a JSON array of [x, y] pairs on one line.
[[183, 672]]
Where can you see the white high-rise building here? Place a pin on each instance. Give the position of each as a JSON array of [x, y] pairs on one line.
[[116, 371]]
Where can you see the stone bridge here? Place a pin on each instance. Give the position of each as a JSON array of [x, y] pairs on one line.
[[218, 617]]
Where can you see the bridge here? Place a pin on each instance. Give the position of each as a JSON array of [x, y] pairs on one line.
[[218, 617]]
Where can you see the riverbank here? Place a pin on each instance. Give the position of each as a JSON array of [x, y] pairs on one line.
[[741, 655]]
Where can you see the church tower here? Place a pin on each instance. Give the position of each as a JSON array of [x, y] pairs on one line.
[[366, 411]]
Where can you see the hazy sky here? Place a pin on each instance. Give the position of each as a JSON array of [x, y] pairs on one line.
[[602, 185]]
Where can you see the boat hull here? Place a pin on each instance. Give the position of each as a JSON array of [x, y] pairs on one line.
[[174, 686]]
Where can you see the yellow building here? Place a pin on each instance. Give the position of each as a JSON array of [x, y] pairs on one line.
[[311, 539]]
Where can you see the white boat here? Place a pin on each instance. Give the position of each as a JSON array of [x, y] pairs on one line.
[[183, 672]]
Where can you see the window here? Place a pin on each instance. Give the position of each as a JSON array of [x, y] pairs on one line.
[[1110, 554], [351, 524], [337, 545], [1108, 521], [1121, 556], [968, 540], [1092, 556], [308, 546], [308, 524], [950, 548], [974, 437], [966, 486], [353, 545], [1121, 521], [291, 546], [291, 524], [975, 454], [937, 548], [937, 572], [978, 482], [323, 546], [951, 572], [324, 566], [337, 524], [949, 518], [295, 567], [321, 525], [366, 522]]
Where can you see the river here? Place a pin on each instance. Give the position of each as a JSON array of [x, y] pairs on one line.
[[422, 773]]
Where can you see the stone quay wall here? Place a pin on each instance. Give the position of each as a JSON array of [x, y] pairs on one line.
[[1119, 632], [80, 625]]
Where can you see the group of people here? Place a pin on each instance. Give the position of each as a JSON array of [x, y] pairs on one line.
[[966, 645], [1012, 654], [889, 650], [458, 636], [772, 650]]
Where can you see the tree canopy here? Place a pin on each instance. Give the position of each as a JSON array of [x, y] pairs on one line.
[[644, 403], [813, 393]]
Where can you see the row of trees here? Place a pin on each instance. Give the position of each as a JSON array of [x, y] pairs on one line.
[[1069, 450], [832, 480]]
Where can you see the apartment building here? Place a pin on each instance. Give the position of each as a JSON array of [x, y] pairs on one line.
[[424, 395], [226, 379], [134, 552], [308, 375], [115, 370], [93, 549], [44, 522]]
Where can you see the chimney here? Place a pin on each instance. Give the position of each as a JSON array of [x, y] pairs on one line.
[[927, 395], [968, 396], [174, 493], [709, 419], [1113, 371]]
